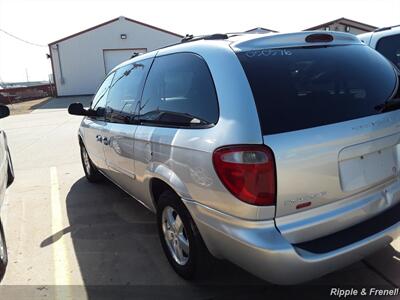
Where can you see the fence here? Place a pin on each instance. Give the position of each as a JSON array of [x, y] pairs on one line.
[[18, 94]]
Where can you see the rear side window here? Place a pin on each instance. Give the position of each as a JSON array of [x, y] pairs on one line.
[[389, 46], [298, 88], [179, 91], [125, 90]]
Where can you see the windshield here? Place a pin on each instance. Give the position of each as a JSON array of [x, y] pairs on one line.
[[298, 88]]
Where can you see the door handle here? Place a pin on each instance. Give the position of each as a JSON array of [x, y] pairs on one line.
[[99, 138], [106, 141]]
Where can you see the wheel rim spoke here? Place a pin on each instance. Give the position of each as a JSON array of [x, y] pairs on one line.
[[183, 243], [178, 252], [171, 219], [178, 224]]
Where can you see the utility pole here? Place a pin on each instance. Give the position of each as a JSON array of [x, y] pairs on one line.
[[26, 73]]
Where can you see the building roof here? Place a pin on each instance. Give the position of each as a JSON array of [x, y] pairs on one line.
[[258, 29], [346, 21], [111, 21]]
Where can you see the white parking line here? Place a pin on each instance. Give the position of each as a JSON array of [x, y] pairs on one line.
[[60, 257]]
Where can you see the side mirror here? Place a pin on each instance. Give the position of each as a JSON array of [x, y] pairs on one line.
[[78, 110], [4, 111]]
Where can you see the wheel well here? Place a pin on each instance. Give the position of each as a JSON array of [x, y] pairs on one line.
[[157, 187]]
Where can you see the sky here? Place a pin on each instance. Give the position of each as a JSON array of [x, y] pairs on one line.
[[44, 21]]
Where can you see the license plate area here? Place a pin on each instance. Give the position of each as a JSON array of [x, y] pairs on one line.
[[367, 169]]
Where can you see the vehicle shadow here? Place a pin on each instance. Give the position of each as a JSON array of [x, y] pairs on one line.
[[386, 263], [116, 243], [117, 247]]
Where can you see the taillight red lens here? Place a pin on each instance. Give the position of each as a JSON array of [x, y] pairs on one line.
[[248, 172]]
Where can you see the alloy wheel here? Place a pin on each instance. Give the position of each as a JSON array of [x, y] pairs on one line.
[[86, 160], [175, 235]]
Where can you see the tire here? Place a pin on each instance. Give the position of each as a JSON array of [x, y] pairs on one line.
[[91, 172], [194, 262], [3, 253]]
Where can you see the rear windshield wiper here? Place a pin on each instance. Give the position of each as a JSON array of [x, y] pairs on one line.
[[389, 105]]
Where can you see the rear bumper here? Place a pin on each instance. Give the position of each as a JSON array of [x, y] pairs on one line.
[[330, 218], [258, 247]]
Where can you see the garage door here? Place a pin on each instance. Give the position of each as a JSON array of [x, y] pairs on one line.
[[114, 57]]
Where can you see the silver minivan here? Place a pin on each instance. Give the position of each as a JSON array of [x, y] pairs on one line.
[[278, 152]]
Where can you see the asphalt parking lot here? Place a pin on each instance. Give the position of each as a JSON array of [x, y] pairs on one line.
[[63, 231]]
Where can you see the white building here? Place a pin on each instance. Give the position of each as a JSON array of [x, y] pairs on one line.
[[81, 61], [345, 25]]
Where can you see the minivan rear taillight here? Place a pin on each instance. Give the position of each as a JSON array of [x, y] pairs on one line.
[[248, 172]]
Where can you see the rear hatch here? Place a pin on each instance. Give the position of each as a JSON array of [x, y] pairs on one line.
[[327, 111]]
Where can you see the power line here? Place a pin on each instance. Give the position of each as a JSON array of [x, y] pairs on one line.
[[22, 40]]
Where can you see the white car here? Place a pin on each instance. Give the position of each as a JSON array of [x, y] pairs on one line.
[[6, 178], [386, 41]]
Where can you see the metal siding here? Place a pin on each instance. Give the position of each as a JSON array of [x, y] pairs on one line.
[[82, 61]]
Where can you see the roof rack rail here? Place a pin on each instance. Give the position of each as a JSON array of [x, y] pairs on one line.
[[215, 36], [134, 54], [385, 28]]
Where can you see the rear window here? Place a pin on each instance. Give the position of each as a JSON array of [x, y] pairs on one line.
[[298, 88], [389, 46]]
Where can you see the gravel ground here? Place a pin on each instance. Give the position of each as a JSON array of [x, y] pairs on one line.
[[27, 107]]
